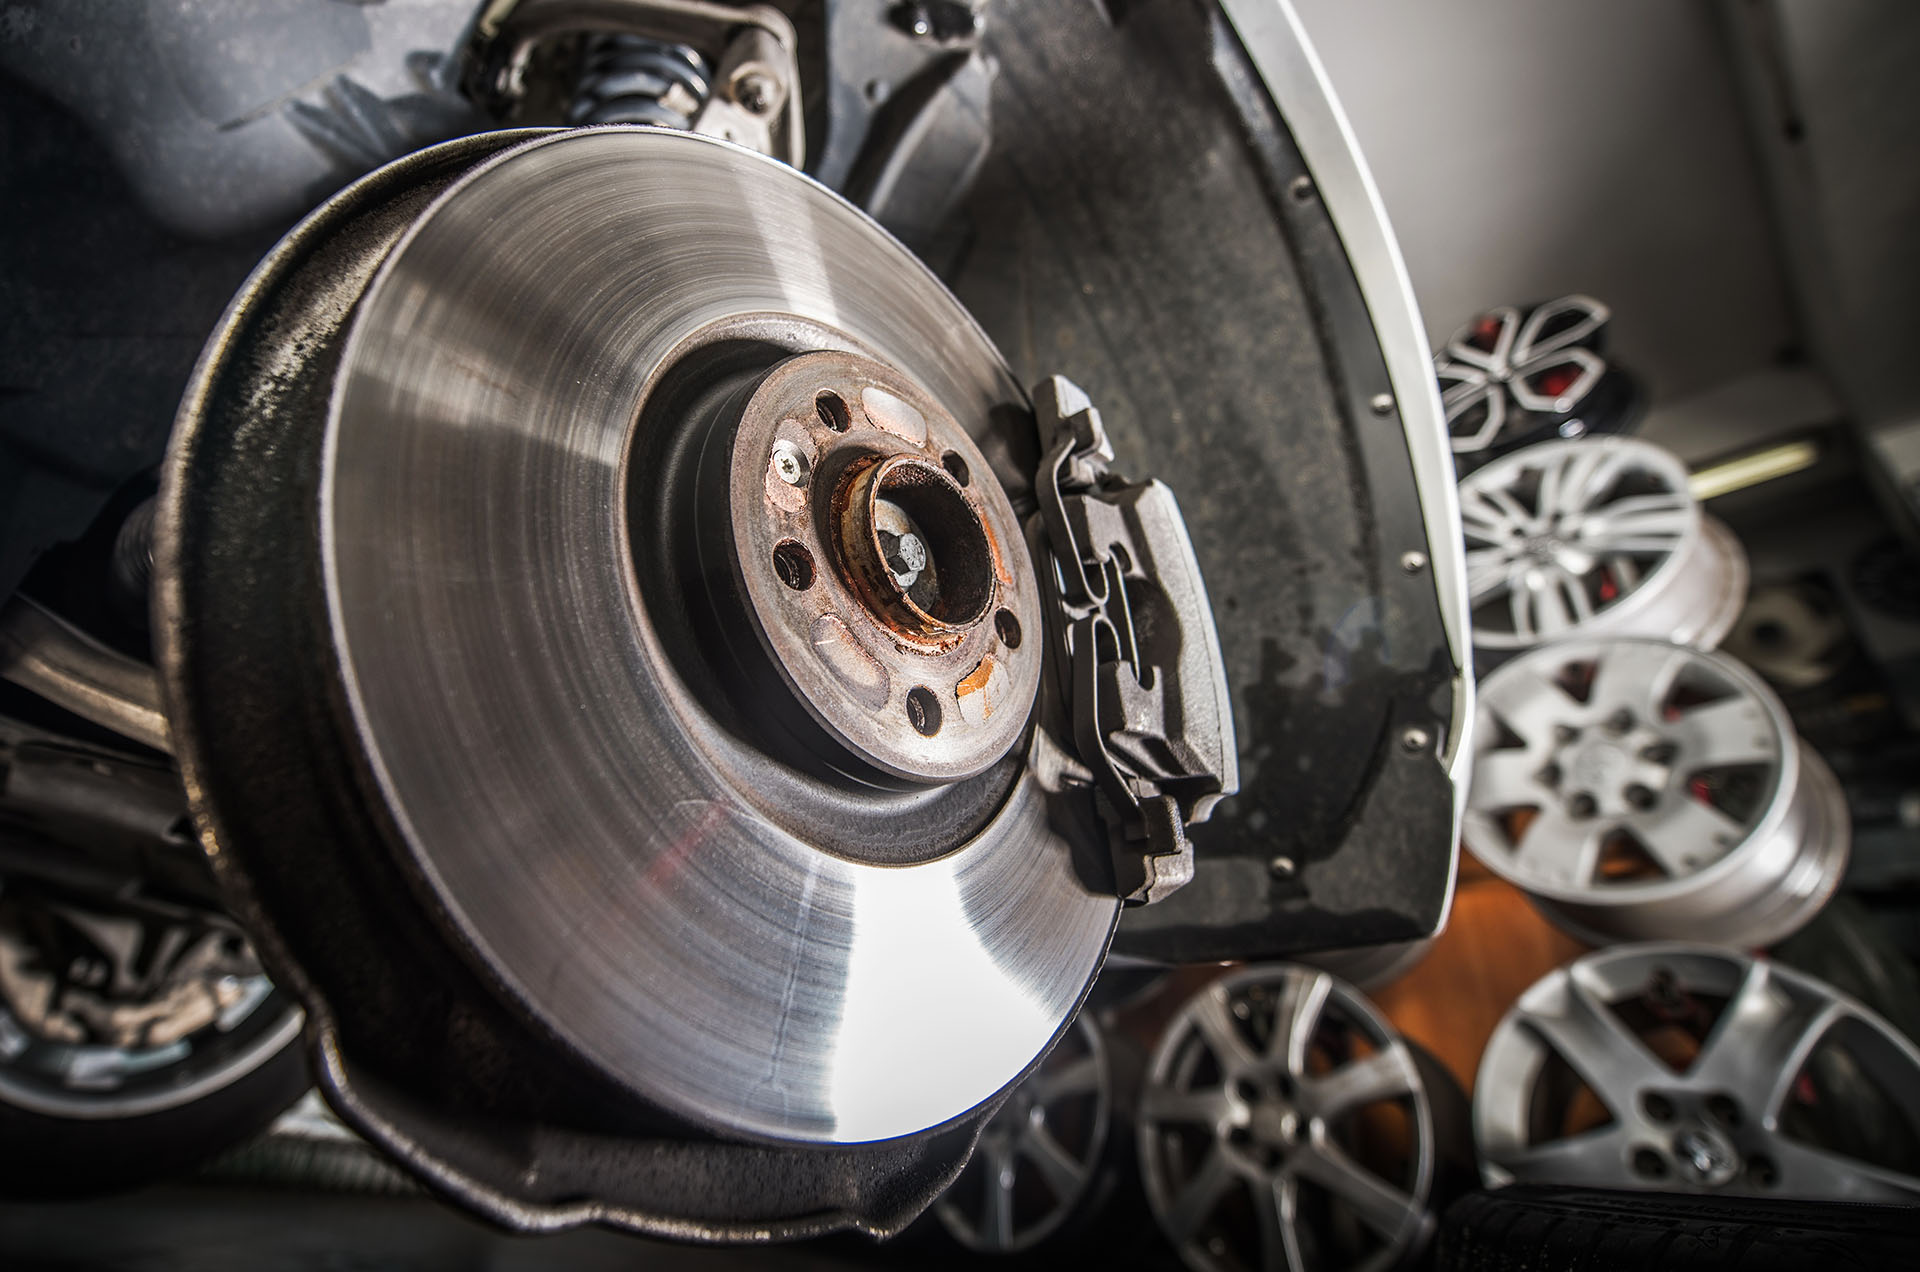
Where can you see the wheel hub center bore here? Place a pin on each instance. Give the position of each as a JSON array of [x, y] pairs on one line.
[[1705, 1156], [1274, 1124], [1612, 769], [881, 565], [1598, 763], [915, 548]]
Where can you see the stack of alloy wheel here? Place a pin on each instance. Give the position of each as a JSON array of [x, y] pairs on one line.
[[1651, 798], [1633, 783]]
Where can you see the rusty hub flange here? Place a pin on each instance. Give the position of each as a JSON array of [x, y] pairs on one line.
[[882, 567]]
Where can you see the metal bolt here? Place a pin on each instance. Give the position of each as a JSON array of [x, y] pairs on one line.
[[1282, 867], [1413, 562], [1705, 1155], [755, 92], [1381, 403], [789, 465], [1415, 739]]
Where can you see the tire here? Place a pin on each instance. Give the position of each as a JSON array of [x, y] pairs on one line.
[[1588, 1230], [47, 1158]]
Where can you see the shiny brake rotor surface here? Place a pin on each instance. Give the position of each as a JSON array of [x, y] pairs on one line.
[[742, 941]]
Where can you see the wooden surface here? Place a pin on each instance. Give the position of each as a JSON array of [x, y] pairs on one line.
[[1495, 946]]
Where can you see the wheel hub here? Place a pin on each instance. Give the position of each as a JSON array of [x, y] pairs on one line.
[[880, 563], [1705, 1156], [1608, 771]]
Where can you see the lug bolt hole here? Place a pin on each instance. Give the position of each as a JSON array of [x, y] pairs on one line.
[[923, 711], [1724, 1110], [1641, 797], [1657, 1106], [1620, 721], [1247, 1091], [1583, 805], [1648, 1164], [1007, 627], [794, 564], [956, 466], [1762, 1172], [833, 412]]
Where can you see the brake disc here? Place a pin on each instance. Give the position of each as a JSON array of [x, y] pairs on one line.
[[604, 548]]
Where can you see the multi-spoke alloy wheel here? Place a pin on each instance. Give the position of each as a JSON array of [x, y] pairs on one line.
[[1689, 1068], [1595, 536], [1639, 790], [1285, 1126], [1040, 1155]]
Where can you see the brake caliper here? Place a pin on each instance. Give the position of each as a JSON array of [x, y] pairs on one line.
[[1145, 685]]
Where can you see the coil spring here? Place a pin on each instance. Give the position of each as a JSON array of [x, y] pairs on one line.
[[629, 79]]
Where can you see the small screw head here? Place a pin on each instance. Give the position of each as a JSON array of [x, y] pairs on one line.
[[789, 465], [1282, 867], [754, 92], [1413, 562], [1415, 739], [1381, 403]]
